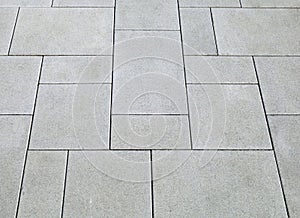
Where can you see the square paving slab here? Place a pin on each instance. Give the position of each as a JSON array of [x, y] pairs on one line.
[[279, 79], [285, 133], [71, 116], [42, 191], [14, 132], [217, 184], [68, 31], [257, 32], [110, 184], [18, 84], [227, 116]]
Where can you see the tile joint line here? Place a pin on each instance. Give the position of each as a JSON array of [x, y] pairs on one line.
[[270, 136]]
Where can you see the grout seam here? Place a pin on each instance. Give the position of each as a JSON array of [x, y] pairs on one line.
[[29, 138], [185, 77], [14, 29], [271, 139]]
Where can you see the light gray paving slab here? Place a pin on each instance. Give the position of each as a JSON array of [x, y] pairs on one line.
[[19, 78], [68, 31], [209, 3], [218, 184], [150, 132], [71, 116], [279, 79], [148, 73], [77, 69], [270, 3], [203, 69], [93, 191], [257, 32], [43, 185], [197, 31], [84, 3], [144, 14], [7, 22], [14, 132], [227, 116], [285, 134], [25, 3]]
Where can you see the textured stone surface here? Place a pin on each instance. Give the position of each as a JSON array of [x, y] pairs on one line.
[[279, 79], [285, 133], [71, 116], [257, 32], [68, 31], [19, 79], [218, 184], [13, 143]]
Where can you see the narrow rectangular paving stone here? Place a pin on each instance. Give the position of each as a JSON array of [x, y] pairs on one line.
[[257, 32], [108, 184], [148, 73], [68, 31], [285, 133], [43, 185], [145, 14], [93, 69], [270, 3], [227, 116], [14, 132], [217, 184], [84, 3], [197, 31], [25, 3], [72, 117], [209, 3], [203, 69], [279, 79], [150, 132], [18, 84], [7, 22]]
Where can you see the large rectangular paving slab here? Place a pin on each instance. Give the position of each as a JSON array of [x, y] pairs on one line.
[[108, 184], [71, 116], [68, 31], [205, 69], [217, 184], [77, 69], [19, 78], [197, 31], [14, 132], [227, 116], [148, 73], [25, 3], [145, 14], [84, 3], [43, 184], [270, 3], [285, 133], [257, 32], [279, 79], [150, 132], [209, 3], [7, 22]]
